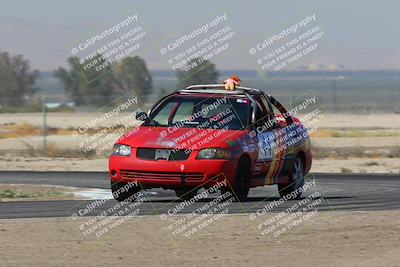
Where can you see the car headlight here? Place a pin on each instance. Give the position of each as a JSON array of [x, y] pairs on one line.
[[121, 150], [213, 153]]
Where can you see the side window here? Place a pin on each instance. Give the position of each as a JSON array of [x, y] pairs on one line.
[[260, 112], [263, 110], [275, 110], [279, 109], [270, 117], [265, 115], [267, 106]]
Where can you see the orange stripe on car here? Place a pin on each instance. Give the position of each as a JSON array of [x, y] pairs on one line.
[[271, 171]]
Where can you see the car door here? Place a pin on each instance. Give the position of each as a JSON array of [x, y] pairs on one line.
[[267, 138], [290, 140]]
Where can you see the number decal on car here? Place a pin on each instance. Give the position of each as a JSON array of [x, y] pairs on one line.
[[266, 145]]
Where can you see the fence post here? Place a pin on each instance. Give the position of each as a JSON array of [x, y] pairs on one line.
[[44, 114]]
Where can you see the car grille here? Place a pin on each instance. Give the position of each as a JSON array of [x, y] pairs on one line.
[[150, 154], [171, 176]]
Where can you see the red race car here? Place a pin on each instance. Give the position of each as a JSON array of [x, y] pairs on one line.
[[206, 135]]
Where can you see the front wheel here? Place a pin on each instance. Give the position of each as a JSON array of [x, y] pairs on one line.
[[124, 191], [296, 180], [240, 188]]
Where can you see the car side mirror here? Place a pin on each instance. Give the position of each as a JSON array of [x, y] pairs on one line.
[[141, 116]]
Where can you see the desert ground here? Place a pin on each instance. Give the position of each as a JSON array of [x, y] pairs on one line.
[[326, 239]]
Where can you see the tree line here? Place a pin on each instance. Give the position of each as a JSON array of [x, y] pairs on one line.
[[17, 79]]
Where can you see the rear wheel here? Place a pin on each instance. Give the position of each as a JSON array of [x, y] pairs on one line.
[[296, 179], [124, 191], [185, 194], [240, 188]]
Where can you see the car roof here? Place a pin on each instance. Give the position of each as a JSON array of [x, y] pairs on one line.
[[219, 89]]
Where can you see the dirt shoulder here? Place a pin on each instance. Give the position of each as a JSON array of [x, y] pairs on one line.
[[20, 192], [30, 192], [326, 239]]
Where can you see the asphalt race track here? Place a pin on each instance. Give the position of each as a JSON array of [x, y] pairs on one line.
[[355, 192]]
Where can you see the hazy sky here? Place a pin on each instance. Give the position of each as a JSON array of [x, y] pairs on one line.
[[358, 34]]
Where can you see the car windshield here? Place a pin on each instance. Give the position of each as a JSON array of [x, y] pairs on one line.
[[217, 113]]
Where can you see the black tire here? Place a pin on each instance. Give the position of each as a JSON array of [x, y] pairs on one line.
[[186, 194], [240, 188], [121, 194], [296, 179]]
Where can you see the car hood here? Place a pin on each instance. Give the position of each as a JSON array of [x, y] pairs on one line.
[[182, 138]]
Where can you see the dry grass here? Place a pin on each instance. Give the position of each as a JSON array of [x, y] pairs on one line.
[[53, 151], [13, 130], [25, 129], [17, 130], [323, 133], [12, 192], [356, 152], [372, 163], [345, 170]]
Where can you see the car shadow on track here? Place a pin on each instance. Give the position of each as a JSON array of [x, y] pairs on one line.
[[250, 199]]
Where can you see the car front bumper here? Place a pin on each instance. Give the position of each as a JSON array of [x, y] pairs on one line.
[[171, 174]]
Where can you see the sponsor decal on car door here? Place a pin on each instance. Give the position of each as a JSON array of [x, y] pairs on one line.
[[272, 152], [266, 144]]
